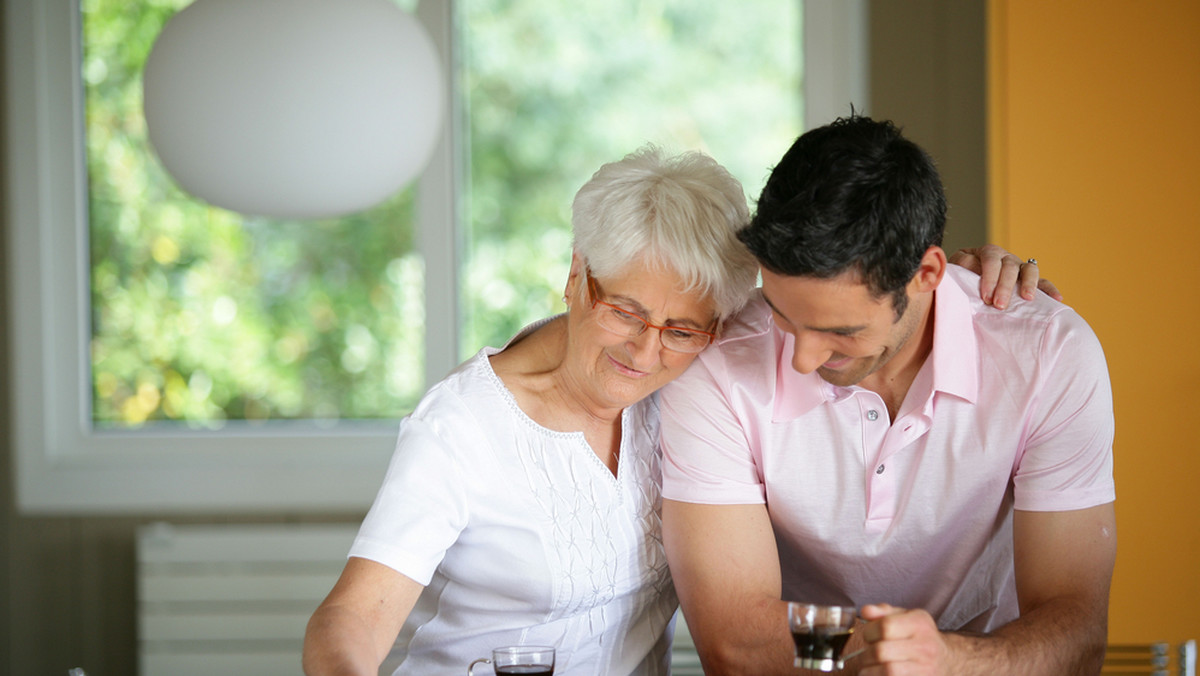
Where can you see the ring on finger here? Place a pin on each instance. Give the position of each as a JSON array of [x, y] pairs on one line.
[[1031, 261]]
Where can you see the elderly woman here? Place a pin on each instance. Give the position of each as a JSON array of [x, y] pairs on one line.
[[521, 505]]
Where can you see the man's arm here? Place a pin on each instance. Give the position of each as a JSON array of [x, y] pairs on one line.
[[726, 570], [353, 629], [1064, 564]]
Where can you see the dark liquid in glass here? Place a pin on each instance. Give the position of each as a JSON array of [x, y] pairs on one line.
[[820, 647], [534, 669]]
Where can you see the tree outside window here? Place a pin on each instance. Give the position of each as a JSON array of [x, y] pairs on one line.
[[200, 316]]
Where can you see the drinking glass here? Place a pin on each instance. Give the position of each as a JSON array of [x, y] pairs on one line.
[[820, 633], [536, 660]]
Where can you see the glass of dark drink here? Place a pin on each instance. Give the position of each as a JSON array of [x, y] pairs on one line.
[[537, 660], [820, 632]]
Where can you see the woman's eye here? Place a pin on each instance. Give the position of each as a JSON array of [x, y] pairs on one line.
[[627, 317]]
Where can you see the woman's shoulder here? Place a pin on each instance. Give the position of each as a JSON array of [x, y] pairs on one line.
[[532, 350], [523, 367], [471, 389], [489, 386], [486, 373], [752, 323]]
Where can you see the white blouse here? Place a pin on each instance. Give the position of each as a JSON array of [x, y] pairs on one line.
[[522, 535]]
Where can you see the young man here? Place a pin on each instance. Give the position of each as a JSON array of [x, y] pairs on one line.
[[869, 433]]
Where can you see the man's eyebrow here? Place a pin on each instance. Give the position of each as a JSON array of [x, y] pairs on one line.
[[842, 330], [772, 305]]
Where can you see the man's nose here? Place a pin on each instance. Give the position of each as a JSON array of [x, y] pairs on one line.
[[810, 351]]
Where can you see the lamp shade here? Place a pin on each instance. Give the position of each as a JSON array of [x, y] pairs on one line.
[[293, 108]]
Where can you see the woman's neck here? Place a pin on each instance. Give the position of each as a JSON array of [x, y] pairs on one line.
[[548, 389]]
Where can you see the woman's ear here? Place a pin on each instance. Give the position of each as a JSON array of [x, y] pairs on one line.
[[574, 279]]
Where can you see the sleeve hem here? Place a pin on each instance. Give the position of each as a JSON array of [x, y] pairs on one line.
[[1046, 501], [397, 560]]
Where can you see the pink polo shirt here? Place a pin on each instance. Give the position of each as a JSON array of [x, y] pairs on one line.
[[1012, 410]]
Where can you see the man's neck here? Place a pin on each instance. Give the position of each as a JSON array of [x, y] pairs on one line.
[[892, 381]]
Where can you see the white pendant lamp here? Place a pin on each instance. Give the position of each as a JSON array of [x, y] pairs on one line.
[[296, 109]]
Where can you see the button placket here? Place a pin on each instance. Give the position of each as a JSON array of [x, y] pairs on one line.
[[875, 429], [873, 416]]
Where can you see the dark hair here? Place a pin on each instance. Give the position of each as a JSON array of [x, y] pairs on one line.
[[851, 195]]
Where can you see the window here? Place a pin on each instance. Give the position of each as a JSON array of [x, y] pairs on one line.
[[204, 318], [229, 415]]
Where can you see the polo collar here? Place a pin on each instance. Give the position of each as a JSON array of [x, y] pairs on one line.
[[955, 359], [795, 393], [955, 345]]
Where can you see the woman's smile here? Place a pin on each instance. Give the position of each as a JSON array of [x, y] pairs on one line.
[[626, 370]]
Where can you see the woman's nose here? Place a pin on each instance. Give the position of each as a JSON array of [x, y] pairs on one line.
[[644, 348]]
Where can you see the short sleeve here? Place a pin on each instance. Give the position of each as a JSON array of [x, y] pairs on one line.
[[1067, 460], [706, 455], [421, 508]]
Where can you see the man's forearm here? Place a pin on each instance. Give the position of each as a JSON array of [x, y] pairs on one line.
[[755, 642], [1059, 638], [762, 645]]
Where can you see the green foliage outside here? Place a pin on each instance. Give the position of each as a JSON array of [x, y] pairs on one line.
[[202, 316], [556, 89]]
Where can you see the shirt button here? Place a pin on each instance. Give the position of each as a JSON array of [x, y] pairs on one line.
[[879, 469], [872, 415]]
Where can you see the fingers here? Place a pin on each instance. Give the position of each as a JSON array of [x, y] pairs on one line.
[[900, 641], [1001, 274], [967, 258], [1047, 287], [1027, 280], [874, 611], [1031, 280], [999, 277], [889, 623], [997, 270]]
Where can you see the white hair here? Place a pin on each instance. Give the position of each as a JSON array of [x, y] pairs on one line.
[[681, 212]]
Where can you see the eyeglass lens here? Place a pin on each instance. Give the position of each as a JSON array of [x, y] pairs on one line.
[[625, 323]]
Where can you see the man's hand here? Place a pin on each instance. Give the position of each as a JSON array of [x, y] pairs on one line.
[[901, 641], [1063, 566]]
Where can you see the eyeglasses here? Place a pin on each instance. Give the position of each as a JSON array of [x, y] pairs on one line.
[[625, 323]]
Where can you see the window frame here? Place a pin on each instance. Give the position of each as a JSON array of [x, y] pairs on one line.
[[65, 466]]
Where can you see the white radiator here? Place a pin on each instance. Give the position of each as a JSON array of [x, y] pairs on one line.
[[233, 598], [685, 661]]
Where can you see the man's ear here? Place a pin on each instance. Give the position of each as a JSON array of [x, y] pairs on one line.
[[931, 271]]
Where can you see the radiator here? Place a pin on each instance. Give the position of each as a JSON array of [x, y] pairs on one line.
[[685, 661], [235, 598], [232, 599]]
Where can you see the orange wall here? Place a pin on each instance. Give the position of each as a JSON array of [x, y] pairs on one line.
[[1094, 167]]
